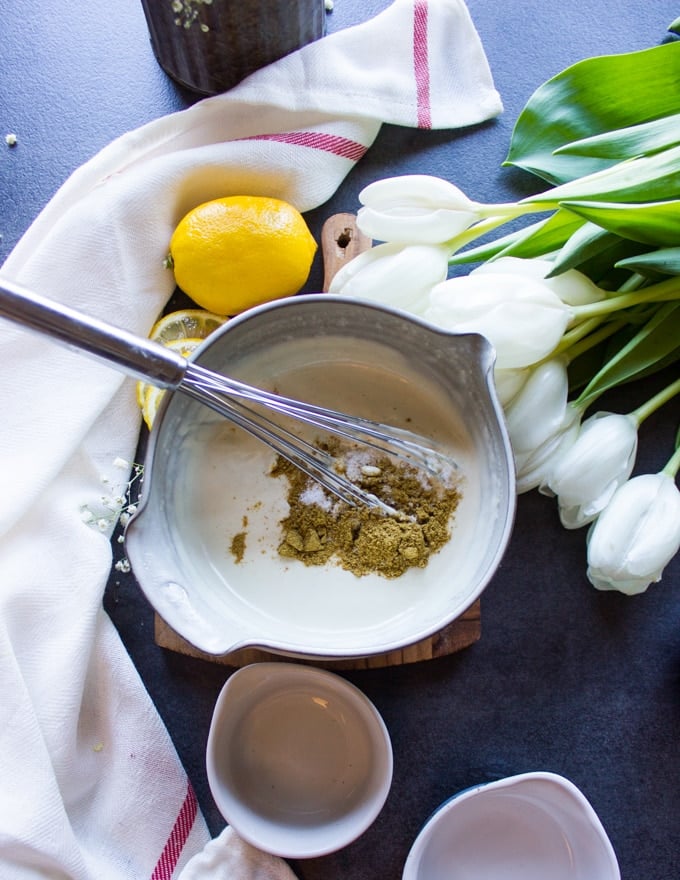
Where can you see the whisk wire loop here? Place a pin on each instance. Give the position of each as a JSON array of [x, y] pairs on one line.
[[315, 462], [397, 442]]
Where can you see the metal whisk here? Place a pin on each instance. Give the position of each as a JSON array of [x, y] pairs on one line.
[[164, 368]]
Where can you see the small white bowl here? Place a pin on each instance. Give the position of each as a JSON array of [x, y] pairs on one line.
[[535, 826], [299, 761]]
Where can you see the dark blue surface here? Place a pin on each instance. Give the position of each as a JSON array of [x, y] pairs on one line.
[[564, 678]]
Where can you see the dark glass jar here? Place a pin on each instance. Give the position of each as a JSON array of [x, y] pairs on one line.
[[211, 45]]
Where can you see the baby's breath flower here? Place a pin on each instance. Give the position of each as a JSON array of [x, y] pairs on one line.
[[116, 506], [11, 139], [123, 565]]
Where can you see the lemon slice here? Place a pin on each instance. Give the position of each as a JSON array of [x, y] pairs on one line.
[[182, 331], [151, 402], [185, 324], [148, 396]]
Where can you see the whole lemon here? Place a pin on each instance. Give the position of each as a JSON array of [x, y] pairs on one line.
[[232, 253]]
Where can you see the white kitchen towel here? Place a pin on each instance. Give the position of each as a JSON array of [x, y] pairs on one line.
[[92, 787]]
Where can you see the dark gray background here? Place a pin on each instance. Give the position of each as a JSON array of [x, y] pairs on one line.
[[564, 678]]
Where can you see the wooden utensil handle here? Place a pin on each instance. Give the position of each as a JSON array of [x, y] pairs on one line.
[[341, 241]]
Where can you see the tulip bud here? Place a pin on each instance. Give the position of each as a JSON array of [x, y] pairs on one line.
[[509, 383], [395, 275], [534, 468], [592, 469], [636, 535], [522, 318], [540, 422], [415, 209], [573, 287]]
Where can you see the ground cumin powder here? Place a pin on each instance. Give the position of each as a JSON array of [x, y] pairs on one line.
[[320, 528]]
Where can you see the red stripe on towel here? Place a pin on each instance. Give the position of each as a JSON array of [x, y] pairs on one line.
[[421, 65], [317, 140], [178, 837]]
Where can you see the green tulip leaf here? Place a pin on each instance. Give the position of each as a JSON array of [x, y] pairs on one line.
[[657, 223], [534, 240], [644, 179], [594, 96], [655, 345], [488, 251], [626, 143], [588, 241], [674, 26], [544, 238], [664, 261]]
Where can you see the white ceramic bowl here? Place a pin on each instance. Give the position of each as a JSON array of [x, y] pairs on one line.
[[204, 479], [535, 826], [299, 761]]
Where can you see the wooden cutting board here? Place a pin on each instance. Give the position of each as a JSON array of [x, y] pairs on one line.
[[341, 240]]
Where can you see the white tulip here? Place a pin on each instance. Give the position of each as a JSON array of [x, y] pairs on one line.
[[592, 469], [636, 535], [509, 383], [399, 276], [540, 422], [523, 321], [573, 287], [534, 468], [415, 209]]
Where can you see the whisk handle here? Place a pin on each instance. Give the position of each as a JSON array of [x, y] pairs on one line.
[[134, 355]]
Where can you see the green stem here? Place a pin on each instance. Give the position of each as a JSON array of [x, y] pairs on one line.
[[586, 336], [494, 216], [673, 464], [474, 232], [632, 283], [646, 409], [574, 335], [663, 291]]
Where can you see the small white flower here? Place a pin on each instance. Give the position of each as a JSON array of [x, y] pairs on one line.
[[121, 463]]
